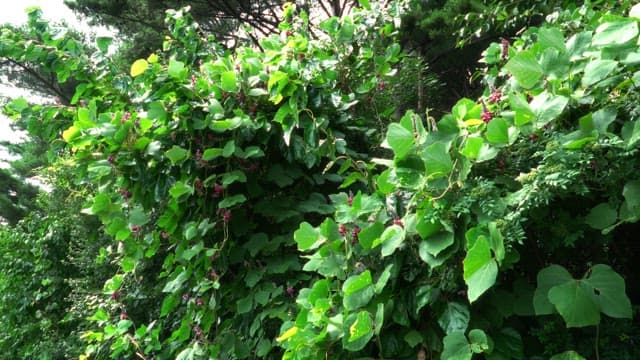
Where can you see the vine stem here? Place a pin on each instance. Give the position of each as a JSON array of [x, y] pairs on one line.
[[597, 340]]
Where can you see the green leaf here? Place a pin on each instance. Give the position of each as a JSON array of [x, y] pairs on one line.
[[101, 203], [138, 67], [128, 264], [555, 64], [466, 109], [365, 4], [603, 118], [307, 237], [113, 284], [551, 37], [454, 318], [138, 216], [497, 242], [168, 304], [177, 70], [525, 68], [100, 315], [179, 188], [103, 43], [575, 304], [547, 278], [186, 354], [320, 290], [196, 249], [358, 290], [211, 154], [361, 327], [19, 104], [346, 30], [400, 140], [479, 341], [84, 121], [480, 269], [437, 160], [263, 348], [391, 239], [253, 151], [229, 81], [472, 147], [230, 201], [257, 92], [229, 148], [523, 112], [456, 347], [578, 44], [507, 345], [175, 284], [597, 70], [602, 216], [567, 355], [383, 279], [548, 107], [423, 295], [615, 33], [157, 111], [369, 234], [233, 176], [176, 154], [426, 226], [245, 304], [356, 283], [498, 131], [413, 338], [358, 330], [437, 243], [379, 319], [609, 291], [631, 193]]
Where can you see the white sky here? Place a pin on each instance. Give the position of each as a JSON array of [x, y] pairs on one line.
[[13, 10]]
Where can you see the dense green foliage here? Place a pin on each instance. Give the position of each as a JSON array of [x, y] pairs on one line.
[[232, 22], [265, 203]]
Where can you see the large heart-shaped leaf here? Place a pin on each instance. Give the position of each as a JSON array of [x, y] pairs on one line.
[[547, 278], [574, 302], [525, 68], [480, 269], [609, 291], [456, 347], [400, 140], [437, 160]]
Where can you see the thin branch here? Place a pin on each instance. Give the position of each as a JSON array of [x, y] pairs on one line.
[[324, 8], [344, 6], [49, 85]]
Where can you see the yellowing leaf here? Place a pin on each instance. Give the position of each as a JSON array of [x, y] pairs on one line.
[[138, 67], [287, 334], [70, 134], [473, 122]]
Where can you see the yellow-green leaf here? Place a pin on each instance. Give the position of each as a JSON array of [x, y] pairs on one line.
[[287, 334], [70, 134], [152, 59]]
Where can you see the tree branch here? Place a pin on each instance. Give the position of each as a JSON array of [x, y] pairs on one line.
[[48, 84]]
